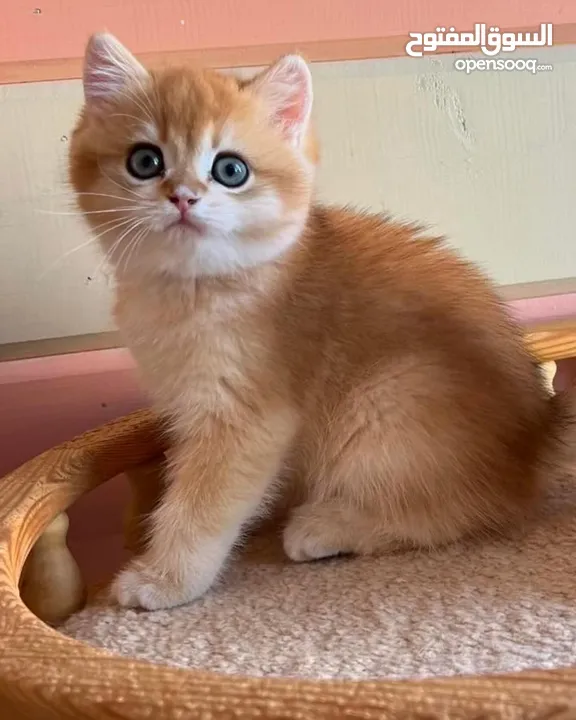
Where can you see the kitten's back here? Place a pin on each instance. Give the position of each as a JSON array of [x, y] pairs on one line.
[[438, 415]]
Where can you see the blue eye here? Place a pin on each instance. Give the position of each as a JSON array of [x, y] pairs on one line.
[[145, 162], [230, 170]]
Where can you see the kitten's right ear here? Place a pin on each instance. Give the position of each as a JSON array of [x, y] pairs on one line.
[[108, 69], [286, 90]]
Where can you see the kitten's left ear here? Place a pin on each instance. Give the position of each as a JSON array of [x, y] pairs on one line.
[[286, 89], [109, 69]]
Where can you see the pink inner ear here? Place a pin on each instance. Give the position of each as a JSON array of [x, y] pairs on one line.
[[108, 67], [102, 79], [294, 112], [289, 92], [93, 85]]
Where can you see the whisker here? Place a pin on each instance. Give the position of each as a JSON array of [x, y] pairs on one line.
[[125, 249], [143, 102], [133, 96], [82, 212], [112, 197], [105, 258], [105, 223], [127, 115], [83, 245], [139, 238], [119, 223], [128, 90], [72, 194], [124, 189], [63, 257], [109, 254], [126, 252]]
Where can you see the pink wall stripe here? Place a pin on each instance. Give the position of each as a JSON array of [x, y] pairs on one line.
[[544, 309], [56, 367], [41, 30], [46, 401]]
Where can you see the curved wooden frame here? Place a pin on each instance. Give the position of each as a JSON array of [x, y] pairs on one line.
[[47, 676]]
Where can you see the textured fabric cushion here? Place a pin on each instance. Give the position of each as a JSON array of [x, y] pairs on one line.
[[478, 607]]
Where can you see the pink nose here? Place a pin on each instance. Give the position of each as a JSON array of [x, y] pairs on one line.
[[182, 202]]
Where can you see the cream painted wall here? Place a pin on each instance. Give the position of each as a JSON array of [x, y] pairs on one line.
[[487, 158]]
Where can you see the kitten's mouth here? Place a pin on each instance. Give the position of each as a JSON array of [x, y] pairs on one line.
[[196, 226]]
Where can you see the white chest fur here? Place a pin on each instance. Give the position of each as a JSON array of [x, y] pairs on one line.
[[191, 346]]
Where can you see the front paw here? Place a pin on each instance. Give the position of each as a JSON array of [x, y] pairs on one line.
[[149, 586], [306, 539]]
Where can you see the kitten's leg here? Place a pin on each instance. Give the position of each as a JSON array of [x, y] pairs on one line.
[[146, 485], [323, 529], [218, 480]]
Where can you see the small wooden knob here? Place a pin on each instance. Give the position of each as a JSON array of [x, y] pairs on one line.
[[549, 371], [52, 586]]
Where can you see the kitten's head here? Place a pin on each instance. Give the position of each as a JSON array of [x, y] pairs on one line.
[[189, 171]]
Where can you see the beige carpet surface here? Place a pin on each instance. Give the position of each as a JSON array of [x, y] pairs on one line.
[[499, 605]]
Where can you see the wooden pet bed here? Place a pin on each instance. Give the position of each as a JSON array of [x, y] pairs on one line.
[[47, 676]]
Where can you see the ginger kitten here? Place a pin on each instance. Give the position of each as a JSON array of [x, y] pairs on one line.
[[293, 344]]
